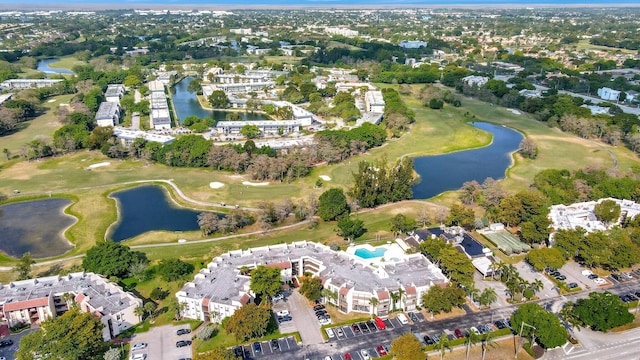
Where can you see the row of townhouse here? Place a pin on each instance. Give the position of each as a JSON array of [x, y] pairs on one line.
[[36, 300], [159, 116], [109, 112], [223, 286]]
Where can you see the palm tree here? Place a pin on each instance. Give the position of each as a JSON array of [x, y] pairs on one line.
[[373, 301], [139, 312], [472, 292], [487, 341], [471, 340], [394, 298], [537, 285], [401, 295], [488, 297], [443, 345]]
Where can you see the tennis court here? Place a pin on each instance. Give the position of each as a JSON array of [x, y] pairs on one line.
[[506, 242]]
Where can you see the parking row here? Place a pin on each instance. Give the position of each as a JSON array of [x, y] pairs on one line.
[[267, 348], [624, 277], [365, 353], [361, 329]]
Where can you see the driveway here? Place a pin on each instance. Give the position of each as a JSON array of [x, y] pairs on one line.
[[500, 288], [530, 274], [304, 319], [9, 351], [162, 343]]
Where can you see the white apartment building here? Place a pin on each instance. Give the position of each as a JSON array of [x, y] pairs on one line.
[[35, 300]]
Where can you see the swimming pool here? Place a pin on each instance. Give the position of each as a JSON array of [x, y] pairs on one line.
[[368, 254]]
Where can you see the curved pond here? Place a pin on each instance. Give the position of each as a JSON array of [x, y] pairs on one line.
[[36, 227], [186, 104], [148, 208], [446, 172], [43, 65]]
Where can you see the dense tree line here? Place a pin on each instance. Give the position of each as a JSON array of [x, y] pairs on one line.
[[454, 264], [600, 311], [397, 116], [233, 221], [611, 249], [337, 145], [380, 183]]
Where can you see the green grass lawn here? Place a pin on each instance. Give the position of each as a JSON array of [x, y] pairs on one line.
[[67, 62], [43, 125]]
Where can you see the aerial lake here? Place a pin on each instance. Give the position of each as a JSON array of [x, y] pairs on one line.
[[36, 227], [186, 104], [446, 172], [148, 208], [43, 65]]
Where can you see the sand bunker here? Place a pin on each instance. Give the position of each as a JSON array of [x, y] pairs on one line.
[[98, 165], [325, 177], [255, 184], [516, 112], [216, 185]]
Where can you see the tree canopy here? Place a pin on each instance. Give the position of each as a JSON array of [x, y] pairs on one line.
[[548, 330], [218, 99], [265, 281], [110, 258], [380, 183], [351, 229], [546, 257], [248, 322], [443, 299], [174, 269], [332, 204], [311, 288], [607, 211], [455, 265], [407, 347], [602, 311], [73, 336]]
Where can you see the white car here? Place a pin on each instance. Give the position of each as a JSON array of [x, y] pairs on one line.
[[586, 272], [138, 357], [324, 321], [365, 354], [283, 312], [279, 296], [627, 275], [330, 333], [138, 346], [599, 281], [475, 330]]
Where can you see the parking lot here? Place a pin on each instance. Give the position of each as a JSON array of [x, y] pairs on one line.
[[274, 349], [161, 343]]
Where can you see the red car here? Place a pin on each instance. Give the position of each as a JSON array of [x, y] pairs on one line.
[[459, 334], [380, 324], [347, 356], [381, 350]]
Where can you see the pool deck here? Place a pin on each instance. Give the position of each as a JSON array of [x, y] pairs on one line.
[[393, 254]]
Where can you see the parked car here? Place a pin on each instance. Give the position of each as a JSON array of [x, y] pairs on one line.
[[330, 333], [339, 332], [284, 318], [277, 297], [413, 317], [500, 324], [183, 343], [138, 357], [325, 321], [328, 357], [561, 277], [256, 347], [380, 324], [572, 285], [355, 328], [371, 325], [428, 340], [284, 312], [183, 331], [474, 329], [600, 281], [458, 333], [347, 356], [237, 351], [318, 307], [587, 272], [402, 318], [136, 346], [592, 276], [364, 328], [365, 354], [274, 344], [381, 350], [6, 342], [616, 277], [627, 275]]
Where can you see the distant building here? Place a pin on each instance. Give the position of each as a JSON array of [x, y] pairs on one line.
[[413, 44], [108, 114], [159, 116], [374, 102], [606, 93], [127, 137], [221, 288], [341, 31], [114, 93], [475, 80], [268, 127], [597, 110], [570, 217], [36, 300], [28, 83]]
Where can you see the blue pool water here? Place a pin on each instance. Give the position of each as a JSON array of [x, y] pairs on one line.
[[367, 254]]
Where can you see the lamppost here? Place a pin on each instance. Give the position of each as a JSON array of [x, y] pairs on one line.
[[522, 328]]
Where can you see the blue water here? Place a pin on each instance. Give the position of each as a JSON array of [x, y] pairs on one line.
[[43, 65], [186, 104], [36, 227], [449, 171], [147, 208], [368, 254]]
